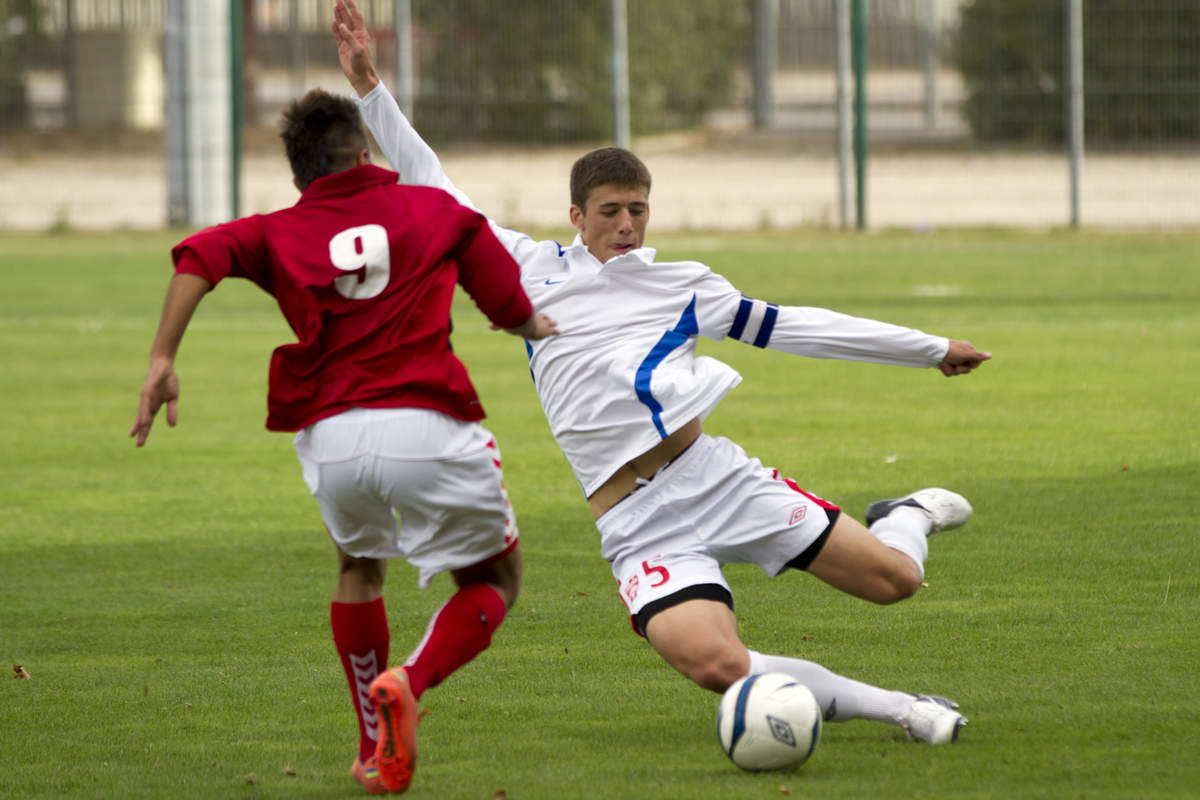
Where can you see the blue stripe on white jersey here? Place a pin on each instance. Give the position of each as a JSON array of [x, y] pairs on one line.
[[685, 328], [754, 321]]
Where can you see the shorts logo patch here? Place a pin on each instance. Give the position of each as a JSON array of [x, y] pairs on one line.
[[631, 589], [797, 514]]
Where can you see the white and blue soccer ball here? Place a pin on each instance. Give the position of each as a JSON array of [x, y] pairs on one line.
[[768, 721]]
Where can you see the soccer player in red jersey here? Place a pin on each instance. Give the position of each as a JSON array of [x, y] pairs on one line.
[[386, 419]]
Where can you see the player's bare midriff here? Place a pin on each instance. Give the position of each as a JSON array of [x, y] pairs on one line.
[[625, 480]]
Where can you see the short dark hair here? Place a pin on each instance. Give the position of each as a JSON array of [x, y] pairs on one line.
[[323, 134], [607, 165]]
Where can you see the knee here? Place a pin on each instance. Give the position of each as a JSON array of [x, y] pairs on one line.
[[896, 583], [360, 580], [363, 571], [719, 670], [508, 578], [508, 588], [503, 575]]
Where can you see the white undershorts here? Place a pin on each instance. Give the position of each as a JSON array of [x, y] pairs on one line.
[[712, 505], [409, 483]]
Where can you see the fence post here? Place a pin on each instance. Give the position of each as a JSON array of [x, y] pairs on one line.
[[620, 73], [235, 107], [208, 104], [1075, 103], [845, 126], [930, 62], [405, 84], [297, 49], [765, 15], [175, 123], [858, 23], [70, 67]]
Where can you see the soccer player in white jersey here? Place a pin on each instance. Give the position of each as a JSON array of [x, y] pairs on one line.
[[625, 393]]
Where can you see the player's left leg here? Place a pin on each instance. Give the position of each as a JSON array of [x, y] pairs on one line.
[[699, 639], [360, 634], [925, 718]]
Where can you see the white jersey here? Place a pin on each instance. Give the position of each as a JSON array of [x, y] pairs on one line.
[[623, 373]]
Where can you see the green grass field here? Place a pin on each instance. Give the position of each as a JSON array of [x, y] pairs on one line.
[[171, 604]]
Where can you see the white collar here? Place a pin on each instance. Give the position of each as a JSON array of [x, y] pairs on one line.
[[642, 254]]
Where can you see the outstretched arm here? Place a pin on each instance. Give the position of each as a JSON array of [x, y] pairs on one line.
[[822, 333], [162, 384]]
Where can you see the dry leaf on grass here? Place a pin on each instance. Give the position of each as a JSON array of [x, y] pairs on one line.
[[19, 672], [291, 773]]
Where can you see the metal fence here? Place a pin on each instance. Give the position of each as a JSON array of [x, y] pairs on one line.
[[734, 104]]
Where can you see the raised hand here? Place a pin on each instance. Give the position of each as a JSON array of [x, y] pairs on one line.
[[354, 46]]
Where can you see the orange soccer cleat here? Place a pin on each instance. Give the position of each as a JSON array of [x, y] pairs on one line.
[[396, 753], [368, 775]]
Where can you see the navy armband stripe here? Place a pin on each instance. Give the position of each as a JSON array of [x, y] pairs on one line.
[[743, 314], [768, 325]]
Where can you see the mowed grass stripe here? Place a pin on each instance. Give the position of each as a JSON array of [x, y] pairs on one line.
[[171, 603]]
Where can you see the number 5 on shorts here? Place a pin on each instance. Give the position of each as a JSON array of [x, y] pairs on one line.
[[660, 572]]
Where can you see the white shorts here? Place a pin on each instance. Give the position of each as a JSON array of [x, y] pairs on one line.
[[712, 505], [409, 483]]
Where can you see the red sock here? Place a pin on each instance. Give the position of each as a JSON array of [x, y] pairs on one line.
[[459, 631], [360, 633]]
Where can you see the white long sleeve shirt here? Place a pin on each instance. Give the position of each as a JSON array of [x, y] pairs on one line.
[[623, 373]]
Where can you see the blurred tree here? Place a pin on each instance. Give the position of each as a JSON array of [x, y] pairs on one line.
[[18, 29], [525, 70], [1141, 68]]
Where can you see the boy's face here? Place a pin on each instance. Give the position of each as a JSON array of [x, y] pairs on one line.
[[613, 221]]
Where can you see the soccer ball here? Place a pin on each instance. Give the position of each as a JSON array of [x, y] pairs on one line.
[[768, 721]]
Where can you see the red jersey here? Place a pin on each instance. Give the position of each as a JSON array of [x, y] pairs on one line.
[[363, 269]]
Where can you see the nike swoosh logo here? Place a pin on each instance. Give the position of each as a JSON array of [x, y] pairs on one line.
[[554, 283]]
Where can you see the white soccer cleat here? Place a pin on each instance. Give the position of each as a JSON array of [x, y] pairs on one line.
[[932, 720], [947, 509]]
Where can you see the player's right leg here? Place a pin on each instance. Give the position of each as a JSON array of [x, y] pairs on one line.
[[455, 517], [861, 565], [459, 631], [886, 563], [463, 627]]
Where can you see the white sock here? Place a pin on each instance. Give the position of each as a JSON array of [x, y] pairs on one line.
[[840, 698], [906, 529]]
